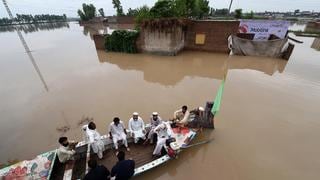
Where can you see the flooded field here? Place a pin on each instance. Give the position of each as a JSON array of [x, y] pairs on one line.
[[268, 127]]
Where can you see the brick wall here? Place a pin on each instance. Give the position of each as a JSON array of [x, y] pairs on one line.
[[217, 33]]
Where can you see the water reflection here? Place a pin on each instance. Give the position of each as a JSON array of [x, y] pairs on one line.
[[94, 29], [30, 28], [168, 72]]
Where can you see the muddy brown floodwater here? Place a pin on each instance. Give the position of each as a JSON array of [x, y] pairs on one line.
[[268, 127]]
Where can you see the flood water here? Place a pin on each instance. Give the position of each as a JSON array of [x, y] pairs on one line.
[[268, 126]]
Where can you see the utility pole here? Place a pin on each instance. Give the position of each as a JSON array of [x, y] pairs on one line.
[[26, 47], [231, 1]]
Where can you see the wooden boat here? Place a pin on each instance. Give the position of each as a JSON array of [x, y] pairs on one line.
[[141, 154]]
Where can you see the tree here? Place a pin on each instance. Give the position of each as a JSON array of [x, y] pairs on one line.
[[202, 9], [192, 8], [249, 15], [184, 8], [118, 7], [132, 12], [143, 13], [238, 13], [101, 12], [163, 8], [222, 12], [88, 12]]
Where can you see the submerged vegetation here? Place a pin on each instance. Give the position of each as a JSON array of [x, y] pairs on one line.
[[28, 19], [122, 41]]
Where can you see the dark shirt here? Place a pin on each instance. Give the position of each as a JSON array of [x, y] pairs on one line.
[[100, 172], [123, 170]]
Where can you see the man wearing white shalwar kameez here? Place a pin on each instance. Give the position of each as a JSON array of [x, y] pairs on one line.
[[95, 141], [118, 132], [155, 120], [137, 128], [163, 133]]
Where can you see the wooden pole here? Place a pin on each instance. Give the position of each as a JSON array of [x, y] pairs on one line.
[[231, 1]]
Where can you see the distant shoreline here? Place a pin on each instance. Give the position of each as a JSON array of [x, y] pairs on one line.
[[16, 24]]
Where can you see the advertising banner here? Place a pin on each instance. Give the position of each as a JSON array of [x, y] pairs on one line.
[[262, 29]]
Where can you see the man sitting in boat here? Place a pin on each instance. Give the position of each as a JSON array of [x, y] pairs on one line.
[[155, 120], [118, 132], [136, 127], [97, 172], [124, 169], [181, 116], [95, 141], [65, 151], [197, 118], [163, 134]]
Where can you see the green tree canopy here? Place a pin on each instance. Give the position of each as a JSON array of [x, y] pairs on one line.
[[197, 9], [238, 13], [118, 7], [163, 8], [142, 14], [249, 15], [221, 12], [202, 9], [88, 12], [101, 12]]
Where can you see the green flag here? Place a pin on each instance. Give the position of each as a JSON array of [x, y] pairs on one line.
[[217, 101]]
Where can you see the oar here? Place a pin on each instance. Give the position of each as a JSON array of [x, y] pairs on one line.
[[196, 144]]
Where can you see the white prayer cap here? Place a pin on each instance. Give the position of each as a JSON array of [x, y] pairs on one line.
[[135, 114], [155, 113], [201, 108]]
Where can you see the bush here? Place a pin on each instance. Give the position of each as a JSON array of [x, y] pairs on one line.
[[122, 41]]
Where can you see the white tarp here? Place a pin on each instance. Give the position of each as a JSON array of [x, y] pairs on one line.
[[264, 28], [245, 47]]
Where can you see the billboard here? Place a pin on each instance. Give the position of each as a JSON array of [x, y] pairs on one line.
[[262, 29]]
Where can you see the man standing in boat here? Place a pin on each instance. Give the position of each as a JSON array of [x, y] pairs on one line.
[[163, 133], [155, 120], [118, 132], [181, 116], [95, 141], [136, 127], [65, 151]]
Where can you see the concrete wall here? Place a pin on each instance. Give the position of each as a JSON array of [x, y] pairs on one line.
[[161, 42], [99, 41], [216, 35]]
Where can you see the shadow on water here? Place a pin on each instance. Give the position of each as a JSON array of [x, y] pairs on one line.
[[169, 71], [30, 28]]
